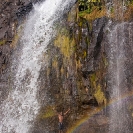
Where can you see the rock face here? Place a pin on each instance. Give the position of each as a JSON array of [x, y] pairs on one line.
[[8, 21], [77, 74], [7, 32], [96, 124]]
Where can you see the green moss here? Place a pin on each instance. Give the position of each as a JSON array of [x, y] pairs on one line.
[[112, 10], [47, 113], [2, 42], [82, 13], [93, 9]]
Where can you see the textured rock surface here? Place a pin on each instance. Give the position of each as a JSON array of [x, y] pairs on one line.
[[71, 79], [77, 73]]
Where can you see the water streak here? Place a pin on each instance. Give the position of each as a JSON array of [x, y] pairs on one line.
[[20, 109], [119, 115]]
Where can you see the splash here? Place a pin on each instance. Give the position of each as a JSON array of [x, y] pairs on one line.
[[20, 109]]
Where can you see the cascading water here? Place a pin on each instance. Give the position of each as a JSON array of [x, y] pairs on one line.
[[119, 39], [117, 84], [21, 107], [118, 114]]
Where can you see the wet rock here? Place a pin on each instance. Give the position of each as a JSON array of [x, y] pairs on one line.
[[67, 79], [86, 73], [96, 42], [23, 10], [90, 101], [8, 27], [96, 124], [102, 120], [4, 56]]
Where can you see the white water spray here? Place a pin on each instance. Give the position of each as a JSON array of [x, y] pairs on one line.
[[20, 109], [119, 115], [117, 83]]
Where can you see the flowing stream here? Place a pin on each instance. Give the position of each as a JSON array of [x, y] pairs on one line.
[[20, 109]]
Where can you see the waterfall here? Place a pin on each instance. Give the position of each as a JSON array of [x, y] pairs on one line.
[[116, 71], [119, 42], [120, 39], [21, 107]]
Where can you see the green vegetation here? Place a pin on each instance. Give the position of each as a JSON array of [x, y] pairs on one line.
[[128, 2], [47, 113], [92, 9], [2, 42], [87, 5]]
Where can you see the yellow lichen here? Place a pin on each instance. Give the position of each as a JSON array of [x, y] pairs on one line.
[[14, 41], [55, 63], [65, 44], [85, 54], [99, 95]]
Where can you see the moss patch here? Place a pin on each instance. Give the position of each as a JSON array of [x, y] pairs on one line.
[[15, 41], [2, 42], [96, 13], [99, 95], [93, 80], [47, 113], [65, 44]]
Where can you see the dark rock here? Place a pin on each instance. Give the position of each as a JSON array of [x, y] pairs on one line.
[[83, 7], [86, 73], [90, 101], [97, 34], [23, 10]]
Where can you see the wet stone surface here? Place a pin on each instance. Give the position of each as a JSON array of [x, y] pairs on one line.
[[96, 124]]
